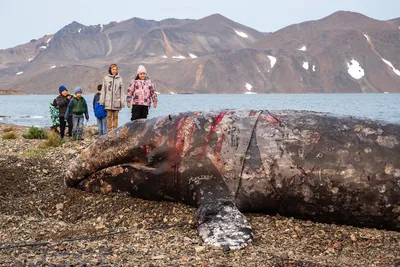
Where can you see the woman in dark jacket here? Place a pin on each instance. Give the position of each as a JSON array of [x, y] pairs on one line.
[[61, 102]]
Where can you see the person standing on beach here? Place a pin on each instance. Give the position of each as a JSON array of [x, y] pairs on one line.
[[61, 102], [112, 97], [78, 106], [141, 93], [100, 112]]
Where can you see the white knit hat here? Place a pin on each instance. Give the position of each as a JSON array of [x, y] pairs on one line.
[[141, 69]]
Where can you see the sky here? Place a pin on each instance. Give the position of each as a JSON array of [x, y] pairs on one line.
[[23, 20]]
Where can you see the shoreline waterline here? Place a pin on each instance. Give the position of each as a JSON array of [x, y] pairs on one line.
[[28, 110]]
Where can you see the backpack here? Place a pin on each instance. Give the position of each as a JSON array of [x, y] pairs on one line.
[[99, 111], [54, 115]]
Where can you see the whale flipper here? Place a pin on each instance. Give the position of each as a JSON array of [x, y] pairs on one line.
[[222, 224]]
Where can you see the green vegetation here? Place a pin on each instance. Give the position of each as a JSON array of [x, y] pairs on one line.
[[9, 135], [9, 129], [32, 152], [53, 140], [35, 133]]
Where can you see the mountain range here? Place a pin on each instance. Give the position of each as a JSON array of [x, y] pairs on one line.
[[345, 52]]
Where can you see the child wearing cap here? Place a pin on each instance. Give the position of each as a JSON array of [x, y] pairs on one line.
[[61, 102], [141, 93], [77, 106]]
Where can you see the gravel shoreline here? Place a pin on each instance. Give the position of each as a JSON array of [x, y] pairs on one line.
[[44, 223]]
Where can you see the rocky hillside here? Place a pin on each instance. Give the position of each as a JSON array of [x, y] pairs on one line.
[[345, 52], [23, 54], [342, 53]]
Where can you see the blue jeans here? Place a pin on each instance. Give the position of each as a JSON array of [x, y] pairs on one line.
[[77, 129], [102, 125]]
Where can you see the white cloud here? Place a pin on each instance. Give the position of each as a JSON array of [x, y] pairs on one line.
[[305, 65], [192, 56], [391, 65], [273, 61], [355, 69], [241, 34]]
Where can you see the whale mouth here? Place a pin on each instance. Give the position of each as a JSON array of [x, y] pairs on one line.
[[134, 178], [146, 160], [120, 168], [108, 170]]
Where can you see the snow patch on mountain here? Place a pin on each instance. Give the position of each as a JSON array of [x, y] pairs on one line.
[[391, 65], [248, 86], [355, 70], [241, 34], [273, 61], [303, 48]]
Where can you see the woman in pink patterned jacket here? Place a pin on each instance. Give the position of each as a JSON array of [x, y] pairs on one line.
[[141, 93]]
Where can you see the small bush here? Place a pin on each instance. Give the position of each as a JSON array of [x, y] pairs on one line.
[[32, 152], [35, 133], [9, 129], [53, 140], [9, 135]]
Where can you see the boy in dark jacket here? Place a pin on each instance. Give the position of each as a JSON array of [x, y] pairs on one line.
[[61, 102], [100, 112], [77, 106]]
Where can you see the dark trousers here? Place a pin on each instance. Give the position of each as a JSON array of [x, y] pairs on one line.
[[63, 124], [139, 112]]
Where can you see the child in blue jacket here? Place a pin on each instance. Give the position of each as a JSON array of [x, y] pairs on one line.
[[100, 112]]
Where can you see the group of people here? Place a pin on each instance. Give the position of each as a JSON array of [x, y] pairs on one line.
[[107, 102]]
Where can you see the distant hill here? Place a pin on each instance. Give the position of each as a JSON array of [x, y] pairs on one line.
[[396, 21], [345, 52]]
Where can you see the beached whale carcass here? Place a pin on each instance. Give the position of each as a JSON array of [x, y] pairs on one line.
[[310, 165]]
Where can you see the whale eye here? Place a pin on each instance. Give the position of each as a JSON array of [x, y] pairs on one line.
[[158, 155]]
